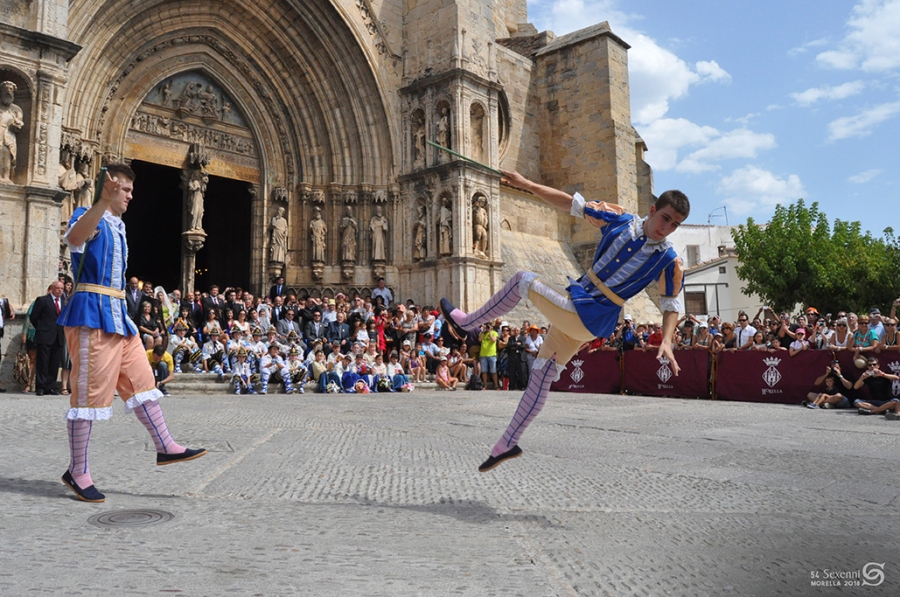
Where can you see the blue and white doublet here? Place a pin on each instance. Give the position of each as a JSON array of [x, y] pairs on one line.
[[104, 265], [626, 261]]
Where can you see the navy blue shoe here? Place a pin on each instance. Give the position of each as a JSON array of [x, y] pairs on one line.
[[162, 459], [456, 330], [494, 461], [88, 494]]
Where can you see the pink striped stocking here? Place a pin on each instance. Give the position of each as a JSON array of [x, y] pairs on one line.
[[151, 417], [529, 406], [79, 437], [498, 305]]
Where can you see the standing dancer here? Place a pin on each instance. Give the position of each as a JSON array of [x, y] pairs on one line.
[[632, 254], [106, 350]]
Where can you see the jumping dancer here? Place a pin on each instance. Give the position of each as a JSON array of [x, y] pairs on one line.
[[106, 350], [632, 254]]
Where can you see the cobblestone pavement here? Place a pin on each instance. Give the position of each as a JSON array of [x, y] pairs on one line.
[[379, 495]]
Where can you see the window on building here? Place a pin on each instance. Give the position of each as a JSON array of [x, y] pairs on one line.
[[693, 255], [695, 303], [722, 269]]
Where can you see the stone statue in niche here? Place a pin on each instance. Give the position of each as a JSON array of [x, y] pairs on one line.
[[84, 189], [67, 181], [11, 121], [445, 227], [166, 93], [379, 227], [477, 123], [419, 140], [196, 190], [349, 228], [419, 241], [317, 232], [278, 243], [443, 134], [480, 225]]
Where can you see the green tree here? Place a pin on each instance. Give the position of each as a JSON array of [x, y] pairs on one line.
[[799, 258]]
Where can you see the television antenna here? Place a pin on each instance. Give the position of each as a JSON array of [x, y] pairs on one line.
[[713, 214]]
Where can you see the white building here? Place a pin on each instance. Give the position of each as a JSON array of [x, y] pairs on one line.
[[711, 283]]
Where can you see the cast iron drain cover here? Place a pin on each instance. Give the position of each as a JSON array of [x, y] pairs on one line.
[[130, 518]]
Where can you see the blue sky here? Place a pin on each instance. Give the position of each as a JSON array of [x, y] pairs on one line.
[[745, 105]]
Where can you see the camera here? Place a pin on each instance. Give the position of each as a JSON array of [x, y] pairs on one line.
[[835, 362]]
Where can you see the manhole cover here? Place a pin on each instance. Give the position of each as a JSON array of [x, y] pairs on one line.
[[130, 518]]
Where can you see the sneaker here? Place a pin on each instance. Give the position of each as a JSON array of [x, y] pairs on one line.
[[237, 392], [892, 416], [177, 369], [264, 391], [811, 405], [805, 403], [251, 391], [863, 411]]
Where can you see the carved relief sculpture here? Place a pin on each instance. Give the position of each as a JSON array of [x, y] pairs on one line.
[[443, 134], [476, 122], [11, 121], [445, 227], [84, 185], [349, 229], [278, 242], [419, 251], [379, 227], [317, 232], [480, 225]]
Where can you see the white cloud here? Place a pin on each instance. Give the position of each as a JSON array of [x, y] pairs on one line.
[[814, 94], [865, 176], [873, 41], [666, 137], [810, 44], [755, 192], [711, 71], [861, 125]]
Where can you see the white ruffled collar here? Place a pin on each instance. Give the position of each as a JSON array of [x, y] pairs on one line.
[[650, 246], [114, 221]]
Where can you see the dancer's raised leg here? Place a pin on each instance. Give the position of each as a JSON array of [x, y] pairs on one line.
[[498, 305]]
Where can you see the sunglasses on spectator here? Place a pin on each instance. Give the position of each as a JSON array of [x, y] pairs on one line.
[[871, 364], [841, 325], [744, 319], [891, 325], [863, 322]]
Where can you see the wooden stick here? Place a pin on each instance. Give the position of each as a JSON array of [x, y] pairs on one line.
[[461, 156]]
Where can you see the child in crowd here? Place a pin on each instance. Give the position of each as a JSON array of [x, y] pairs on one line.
[[442, 376]]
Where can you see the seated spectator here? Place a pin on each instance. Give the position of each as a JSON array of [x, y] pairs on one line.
[[148, 324], [431, 352], [831, 396], [881, 400], [162, 365], [242, 375], [443, 378], [417, 366], [800, 344], [459, 370], [298, 371], [394, 371]]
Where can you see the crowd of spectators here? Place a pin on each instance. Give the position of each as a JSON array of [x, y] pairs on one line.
[[375, 343]]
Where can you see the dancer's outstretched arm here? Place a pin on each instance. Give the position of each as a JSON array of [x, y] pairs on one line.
[[554, 197], [670, 320]]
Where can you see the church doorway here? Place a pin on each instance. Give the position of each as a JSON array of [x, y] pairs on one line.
[[224, 259], [153, 224]]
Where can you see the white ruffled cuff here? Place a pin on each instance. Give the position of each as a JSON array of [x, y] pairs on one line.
[[670, 303], [577, 206], [525, 283], [140, 398], [89, 414], [540, 362]]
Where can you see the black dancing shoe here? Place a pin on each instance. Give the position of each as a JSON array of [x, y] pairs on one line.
[[456, 330], [162, 459], [88, 494], [494, 461]]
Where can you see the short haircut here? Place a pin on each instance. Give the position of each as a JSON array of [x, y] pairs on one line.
[[119, 168], [677, 200], [159, 350]]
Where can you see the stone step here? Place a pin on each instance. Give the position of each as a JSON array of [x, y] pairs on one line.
[[193, 384]]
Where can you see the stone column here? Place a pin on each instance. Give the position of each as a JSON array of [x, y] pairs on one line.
[[192, 241]]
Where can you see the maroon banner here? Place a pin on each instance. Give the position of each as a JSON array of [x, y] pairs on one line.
[[647, 376], [594, 373], [761, 376]]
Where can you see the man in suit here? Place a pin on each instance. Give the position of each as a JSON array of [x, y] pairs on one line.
[[278, 310], [287, 325], [214, 301], [278, 289], [198, 315], [133, 296], [339, 331], [6, 313], [49, 338], [315, 329]]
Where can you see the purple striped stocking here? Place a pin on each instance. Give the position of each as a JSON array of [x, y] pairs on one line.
[[151, 417], [79, 437], [529, 406]]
